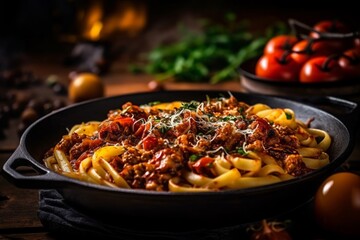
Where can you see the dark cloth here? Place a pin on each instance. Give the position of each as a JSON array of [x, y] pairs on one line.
[[62, 220]]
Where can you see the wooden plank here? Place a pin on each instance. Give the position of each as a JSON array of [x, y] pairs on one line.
[[18, 207], [28, 236]]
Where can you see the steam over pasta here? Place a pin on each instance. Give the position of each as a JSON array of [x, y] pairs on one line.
[[217, 144]]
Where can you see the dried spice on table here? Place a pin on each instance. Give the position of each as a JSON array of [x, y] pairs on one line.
[[26, 97]]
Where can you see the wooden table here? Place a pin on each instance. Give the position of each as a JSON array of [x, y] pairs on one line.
[[18, 207]]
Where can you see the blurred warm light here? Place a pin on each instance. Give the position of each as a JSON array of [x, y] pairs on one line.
[[92, 22], [126, 17], [133, 19], [94, 33]]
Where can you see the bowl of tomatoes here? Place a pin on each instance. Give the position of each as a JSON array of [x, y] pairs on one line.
[[324, 61]]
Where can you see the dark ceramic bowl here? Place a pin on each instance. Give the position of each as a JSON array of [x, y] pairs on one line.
[[349, 88]]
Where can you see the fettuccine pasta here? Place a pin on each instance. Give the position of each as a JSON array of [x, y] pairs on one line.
[[217, 144]]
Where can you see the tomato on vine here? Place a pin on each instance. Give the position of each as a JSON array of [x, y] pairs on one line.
[[280, 43], [350, 63], [321, 69], [356, 43], [310, 48], [334, 26], [329, 26], [278, 66]]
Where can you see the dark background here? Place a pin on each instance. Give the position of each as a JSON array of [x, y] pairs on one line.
[[40, 23]]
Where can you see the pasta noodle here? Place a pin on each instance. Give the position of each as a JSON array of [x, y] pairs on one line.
[[216, 144]]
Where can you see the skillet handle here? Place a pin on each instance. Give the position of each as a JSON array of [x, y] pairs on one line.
[[40, 177], [345, 110]]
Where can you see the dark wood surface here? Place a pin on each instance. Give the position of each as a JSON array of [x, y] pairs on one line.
[[18, 207]]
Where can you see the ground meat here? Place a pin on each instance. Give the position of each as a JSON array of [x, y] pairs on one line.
[[114, 131], [288, 136], [168, 160], [163, 144], [85, 145], [150, 171], [294, 166], [223, 133], [132, 156], [67, 142], [260, 129]]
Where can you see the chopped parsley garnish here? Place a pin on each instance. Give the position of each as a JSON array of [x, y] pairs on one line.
[[153, 103], [288, 115], [190, 105], [210, 165], [208, 100], [241, 110], [229, 118], [241, 151], [163, 129], [193, 157]]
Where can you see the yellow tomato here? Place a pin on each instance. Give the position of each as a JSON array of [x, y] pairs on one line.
[[85, 86], [337, 204]]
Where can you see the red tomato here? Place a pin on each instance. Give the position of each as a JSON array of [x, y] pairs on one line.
[[307, 49], [202, 166], [329, 26], [124, 121], [277, 66], [337, 204], [280, 43], [334, 26], [321, 69], [357, 42], [150, 142], [350, 63], [138, 131]]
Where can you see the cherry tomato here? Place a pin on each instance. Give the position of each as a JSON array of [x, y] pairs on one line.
[[335, 26], [280, 43], [154, 85], [125, 121], [202, 166], [337, 204], [307, 49], [350, 63], [321, 69], [357, 43], [149, 143], [277, 66], [330, 26]]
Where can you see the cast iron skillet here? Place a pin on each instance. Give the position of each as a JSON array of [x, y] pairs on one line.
[[157, 209]]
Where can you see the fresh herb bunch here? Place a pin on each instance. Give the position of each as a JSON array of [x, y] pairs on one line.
[[213, 55]]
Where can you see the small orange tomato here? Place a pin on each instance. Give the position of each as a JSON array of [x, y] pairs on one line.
[[85, 86], [337, 204]]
